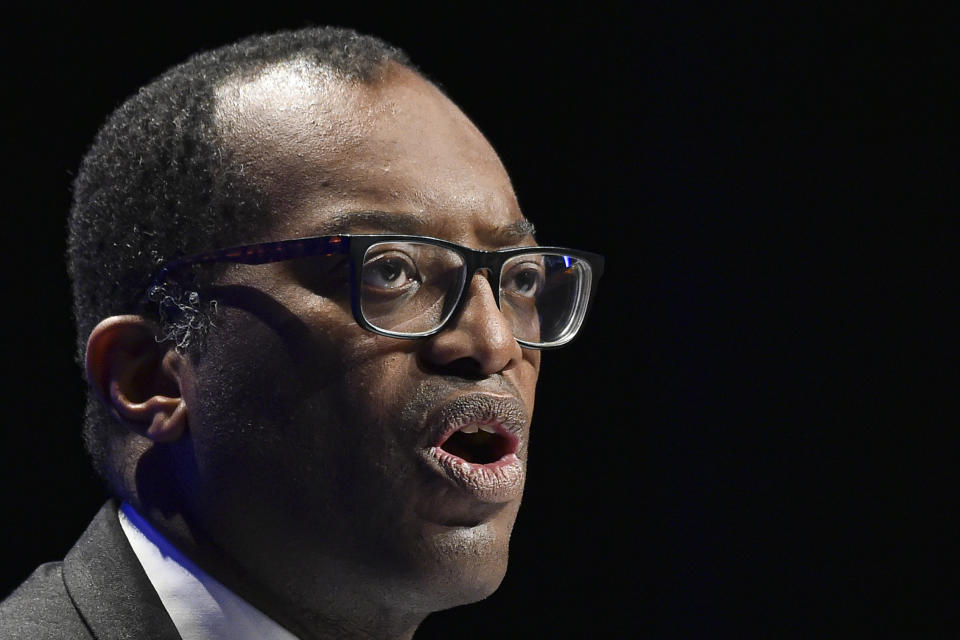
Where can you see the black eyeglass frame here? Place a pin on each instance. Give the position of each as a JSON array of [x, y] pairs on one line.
[[356, 246]]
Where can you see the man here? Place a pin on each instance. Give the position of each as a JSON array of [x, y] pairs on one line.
[[321, 430]]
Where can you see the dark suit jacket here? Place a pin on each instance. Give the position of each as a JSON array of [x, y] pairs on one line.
[[99, 591]]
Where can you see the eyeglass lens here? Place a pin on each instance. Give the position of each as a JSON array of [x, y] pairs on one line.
[[411, 288]]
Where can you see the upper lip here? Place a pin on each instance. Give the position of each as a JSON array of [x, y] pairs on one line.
[[477, 408]]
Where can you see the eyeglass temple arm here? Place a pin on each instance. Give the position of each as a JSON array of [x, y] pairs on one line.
[[262, 253]]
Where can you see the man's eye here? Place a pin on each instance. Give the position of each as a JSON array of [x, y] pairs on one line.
[[390, 271], [525, 280]]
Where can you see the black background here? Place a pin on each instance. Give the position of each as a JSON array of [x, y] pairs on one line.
[[753, 434]]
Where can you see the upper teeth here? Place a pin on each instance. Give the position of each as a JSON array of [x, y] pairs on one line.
[[472, 428]]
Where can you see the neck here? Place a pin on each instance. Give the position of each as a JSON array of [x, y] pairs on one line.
[[318, 606]]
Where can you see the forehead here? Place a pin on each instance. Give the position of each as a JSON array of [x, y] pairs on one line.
[[322, 146]]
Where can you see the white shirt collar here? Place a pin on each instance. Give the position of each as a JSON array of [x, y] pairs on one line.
[[201, 608]]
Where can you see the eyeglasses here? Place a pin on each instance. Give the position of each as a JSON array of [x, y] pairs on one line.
[[407, 286]]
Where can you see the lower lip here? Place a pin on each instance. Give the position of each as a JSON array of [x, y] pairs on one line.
[[500, 481]]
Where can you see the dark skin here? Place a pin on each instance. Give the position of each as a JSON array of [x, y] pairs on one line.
[[286, 459]]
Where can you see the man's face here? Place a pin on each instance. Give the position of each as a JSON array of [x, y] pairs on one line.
[[312, 442]]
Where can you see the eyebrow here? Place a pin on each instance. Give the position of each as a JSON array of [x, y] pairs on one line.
[[393, 222], [518, 230], [413, 224]]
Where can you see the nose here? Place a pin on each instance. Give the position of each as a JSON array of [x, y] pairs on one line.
[[479, 340]]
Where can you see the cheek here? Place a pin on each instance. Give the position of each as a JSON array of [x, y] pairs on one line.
[[273, 431], [527, 375], [362, 374], [250, 383], [374, 382], [307, 383]]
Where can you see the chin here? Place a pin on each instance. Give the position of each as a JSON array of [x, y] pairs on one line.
[[469, 563]]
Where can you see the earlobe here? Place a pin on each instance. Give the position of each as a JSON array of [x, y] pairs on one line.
[[137, 378]]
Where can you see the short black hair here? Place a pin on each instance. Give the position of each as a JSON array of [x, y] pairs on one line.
[[159, 182]]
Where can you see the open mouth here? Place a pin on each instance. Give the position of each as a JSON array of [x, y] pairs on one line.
[[480, 443], [477, 440]]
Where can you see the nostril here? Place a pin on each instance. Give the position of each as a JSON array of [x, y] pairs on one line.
[[467, 368]]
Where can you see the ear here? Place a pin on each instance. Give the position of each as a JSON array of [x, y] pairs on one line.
[[137, 378]]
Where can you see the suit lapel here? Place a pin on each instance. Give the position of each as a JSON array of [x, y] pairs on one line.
[[109, 587]]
